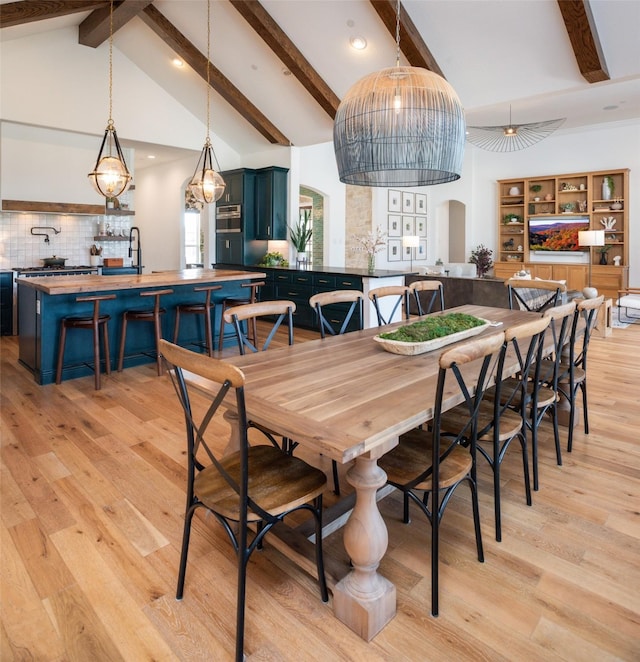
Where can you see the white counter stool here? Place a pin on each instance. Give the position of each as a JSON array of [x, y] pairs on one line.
[[94, 323], [197, 308], [152, 315]]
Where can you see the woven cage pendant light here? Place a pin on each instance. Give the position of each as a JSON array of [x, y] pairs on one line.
[[110, 176], [401, 126], [207, 184]]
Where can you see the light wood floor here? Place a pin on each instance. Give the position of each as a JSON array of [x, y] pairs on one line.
[[92, 510]]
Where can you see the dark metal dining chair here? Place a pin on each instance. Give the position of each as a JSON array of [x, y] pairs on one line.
[[429, 464], [399, 295], [425, 303], [249, 490], [534, 295]]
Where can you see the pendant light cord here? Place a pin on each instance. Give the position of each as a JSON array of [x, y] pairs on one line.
[[208, 141], [398, 33], [110, 122]]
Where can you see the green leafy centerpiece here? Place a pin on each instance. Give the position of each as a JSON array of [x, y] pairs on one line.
[[431, 333]]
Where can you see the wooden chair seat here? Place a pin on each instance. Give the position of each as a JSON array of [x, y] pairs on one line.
[[277, 483], [406, 461], [510, 421]]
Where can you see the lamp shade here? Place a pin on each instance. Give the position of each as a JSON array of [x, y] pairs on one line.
[[401, 126], [411, 241], [591, 238]]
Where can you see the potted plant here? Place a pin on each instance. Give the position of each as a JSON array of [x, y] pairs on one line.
[[273, 259], [481, 256], [300, 235], [536, 188], [512, 218]]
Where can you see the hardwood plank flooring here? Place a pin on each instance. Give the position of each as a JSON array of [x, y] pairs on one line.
[[92, 489]]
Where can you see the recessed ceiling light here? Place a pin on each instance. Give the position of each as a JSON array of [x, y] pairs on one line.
[[177, 62], [609, 107], [286, 72], [151, 156], [359, 43]]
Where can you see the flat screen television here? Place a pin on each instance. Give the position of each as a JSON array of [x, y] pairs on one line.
[[556, 234]]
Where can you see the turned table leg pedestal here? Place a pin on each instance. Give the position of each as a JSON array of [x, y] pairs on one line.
[[364, 600]]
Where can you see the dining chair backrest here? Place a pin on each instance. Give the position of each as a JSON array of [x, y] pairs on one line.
[[334, 315], [274, 312], [583, 323], [534, 295], [427, 286], [399, 297], [560, 325]]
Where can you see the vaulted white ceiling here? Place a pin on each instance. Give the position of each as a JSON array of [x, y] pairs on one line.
[[495, 53]]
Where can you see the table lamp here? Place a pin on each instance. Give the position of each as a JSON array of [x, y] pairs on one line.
[[590, 238], [411, 242]]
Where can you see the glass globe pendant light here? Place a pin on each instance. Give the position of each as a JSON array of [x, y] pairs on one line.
[[207, 184], [401, 126], [110, 176]]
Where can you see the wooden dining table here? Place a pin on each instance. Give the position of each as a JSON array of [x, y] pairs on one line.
[[348, 399]]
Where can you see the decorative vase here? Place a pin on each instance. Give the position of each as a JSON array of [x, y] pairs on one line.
[[514, 190], [301, 258], [606, 189], [371, 262], [616, 206], [603, 258], [548, 197]]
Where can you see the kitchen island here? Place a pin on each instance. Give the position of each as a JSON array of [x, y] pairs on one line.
[[299, 285], [43, 302]]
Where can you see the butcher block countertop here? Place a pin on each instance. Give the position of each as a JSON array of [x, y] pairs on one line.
[[81, 284]]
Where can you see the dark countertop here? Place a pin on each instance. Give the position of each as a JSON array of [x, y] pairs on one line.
[[338, 271]]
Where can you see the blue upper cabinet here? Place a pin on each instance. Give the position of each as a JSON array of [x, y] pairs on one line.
[[235, 188], [271, 203]]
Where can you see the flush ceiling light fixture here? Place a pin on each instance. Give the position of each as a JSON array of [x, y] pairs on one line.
[[207, 184], [401, 126], [110, 176], [358, 43], [512, 137]]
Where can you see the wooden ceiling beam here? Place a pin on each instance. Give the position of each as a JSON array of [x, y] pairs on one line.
[[94, 30], [278, 41], [219, 82], [28, 11], [411, 42], [583, 36]]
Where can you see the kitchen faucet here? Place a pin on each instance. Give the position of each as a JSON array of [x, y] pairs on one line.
[[138, 249]]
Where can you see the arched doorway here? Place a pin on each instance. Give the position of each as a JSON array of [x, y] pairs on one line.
[[311, 203]]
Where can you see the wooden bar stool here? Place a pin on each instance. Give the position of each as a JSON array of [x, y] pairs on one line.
[[94, 323], [230, 302], [198, 309], [146, 315]]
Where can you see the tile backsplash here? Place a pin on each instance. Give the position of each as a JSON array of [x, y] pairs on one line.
[[19, 248]]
